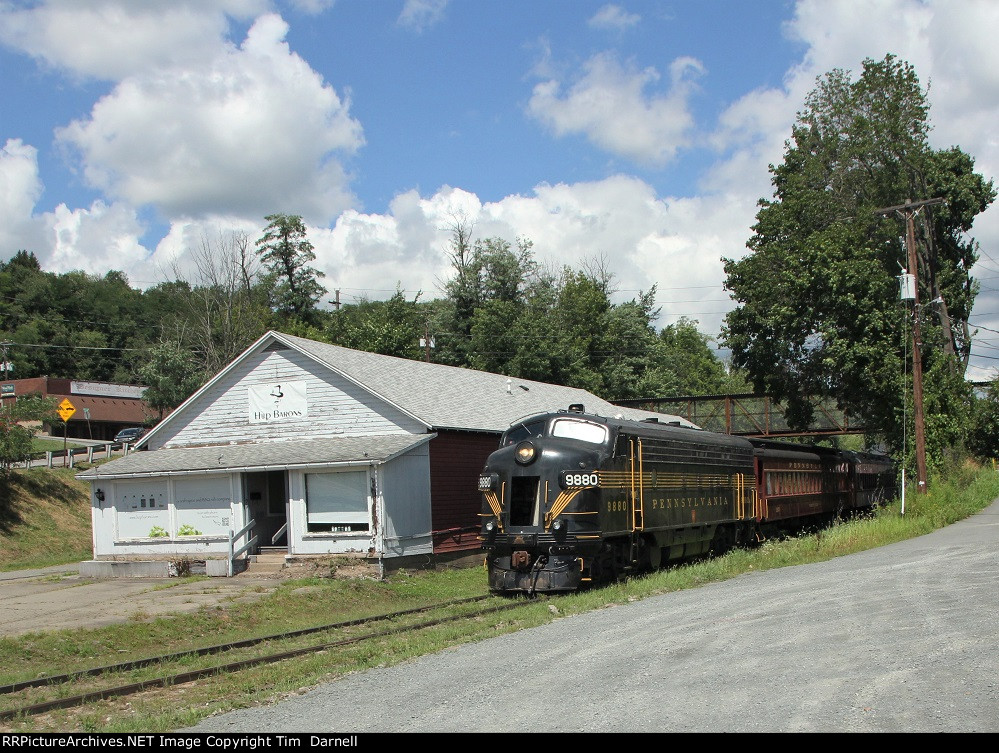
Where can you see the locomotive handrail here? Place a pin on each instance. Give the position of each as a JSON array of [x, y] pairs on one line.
[[638, 523]]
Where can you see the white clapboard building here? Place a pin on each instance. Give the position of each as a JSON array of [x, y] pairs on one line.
[[326, 450]]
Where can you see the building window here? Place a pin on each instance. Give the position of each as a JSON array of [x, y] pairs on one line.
[[337, 502]]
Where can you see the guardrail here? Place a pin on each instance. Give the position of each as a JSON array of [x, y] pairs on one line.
[[69, 456]]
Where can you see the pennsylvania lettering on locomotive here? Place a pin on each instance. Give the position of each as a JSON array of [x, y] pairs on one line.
[[676, 504]]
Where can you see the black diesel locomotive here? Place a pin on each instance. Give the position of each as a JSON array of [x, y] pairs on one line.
[[572, 500]]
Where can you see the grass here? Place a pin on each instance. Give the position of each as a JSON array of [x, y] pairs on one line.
[[38, 444], [44, 519], [317, 601]]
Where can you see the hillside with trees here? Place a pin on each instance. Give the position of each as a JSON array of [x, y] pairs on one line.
[[499, 311]]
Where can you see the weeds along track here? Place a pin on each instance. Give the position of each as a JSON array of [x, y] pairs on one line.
[[342, 634]]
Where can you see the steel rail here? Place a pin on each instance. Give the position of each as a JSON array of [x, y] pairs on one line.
[[219, 648], [178, 679]]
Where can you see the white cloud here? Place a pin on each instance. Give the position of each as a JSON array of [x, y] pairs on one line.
[[312, 7], [110, 39], [94, 240], [614, 17], [420, 15], [251, 131], [20, 189], [644, 240], [676, 244], [609, 105]]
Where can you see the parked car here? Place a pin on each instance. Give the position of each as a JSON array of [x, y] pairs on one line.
[[129, 435]]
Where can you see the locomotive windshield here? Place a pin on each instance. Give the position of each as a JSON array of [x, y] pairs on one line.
[[524, 431], [568, 428], [573, 428]]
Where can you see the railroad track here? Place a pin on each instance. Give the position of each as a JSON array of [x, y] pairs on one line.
[[118, 691]]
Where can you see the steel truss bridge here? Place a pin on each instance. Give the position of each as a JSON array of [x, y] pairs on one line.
[[748, 415]]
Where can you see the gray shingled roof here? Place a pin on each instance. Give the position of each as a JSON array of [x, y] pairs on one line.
[[273, 455], [449, 397]]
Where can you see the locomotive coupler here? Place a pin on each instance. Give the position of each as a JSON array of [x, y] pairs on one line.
[[520, 560]]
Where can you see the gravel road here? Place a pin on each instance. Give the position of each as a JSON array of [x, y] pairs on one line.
[[904, 638]]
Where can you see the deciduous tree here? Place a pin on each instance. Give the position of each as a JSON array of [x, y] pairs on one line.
[[171, 375], [819, 312]]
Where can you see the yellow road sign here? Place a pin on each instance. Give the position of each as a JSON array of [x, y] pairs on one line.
[[66, 410]]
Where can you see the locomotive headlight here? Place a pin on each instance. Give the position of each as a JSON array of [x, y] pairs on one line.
[[525, 453], [559, 530], [490, 526]]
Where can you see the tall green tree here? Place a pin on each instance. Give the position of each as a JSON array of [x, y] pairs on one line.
[[682, 363], [286, 252], [488, 274], [171, 375], [505, 313], [393, 327], [819, 312], [984, 438], [73, 325]]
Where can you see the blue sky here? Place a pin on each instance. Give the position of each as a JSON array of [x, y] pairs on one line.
[[636, 134]]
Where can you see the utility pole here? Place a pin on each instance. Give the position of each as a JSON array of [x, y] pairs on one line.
[[336, 302], [909, 211], [5, 366]]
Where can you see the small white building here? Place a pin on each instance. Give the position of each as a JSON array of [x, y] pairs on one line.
[[325, 450]]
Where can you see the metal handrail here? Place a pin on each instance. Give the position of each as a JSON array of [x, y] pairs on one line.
[[233, 538], [279, 533]]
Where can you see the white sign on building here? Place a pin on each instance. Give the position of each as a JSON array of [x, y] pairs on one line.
[[104, 389], [277, 401]]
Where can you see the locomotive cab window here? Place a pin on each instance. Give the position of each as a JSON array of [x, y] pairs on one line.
[[524, 431], [584, 431]]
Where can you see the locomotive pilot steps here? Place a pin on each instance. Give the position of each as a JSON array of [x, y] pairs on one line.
[[571, 499]]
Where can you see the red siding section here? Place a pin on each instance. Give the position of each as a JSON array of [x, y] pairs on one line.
[[456, 460]]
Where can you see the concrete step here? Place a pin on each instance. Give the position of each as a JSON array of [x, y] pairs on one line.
[[267, 562]]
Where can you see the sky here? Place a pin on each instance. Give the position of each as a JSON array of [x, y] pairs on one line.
[[633, 135]]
